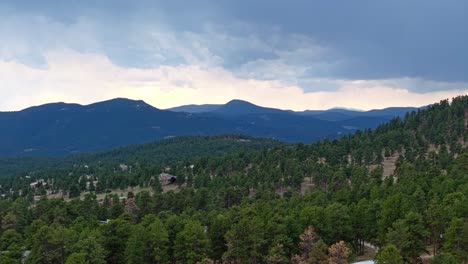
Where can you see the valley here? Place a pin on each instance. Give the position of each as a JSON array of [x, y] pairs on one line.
[[233, 132], [401, 187]]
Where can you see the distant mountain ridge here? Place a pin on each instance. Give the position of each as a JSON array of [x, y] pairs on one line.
[[194, 108], [240, 107], [59, 129]]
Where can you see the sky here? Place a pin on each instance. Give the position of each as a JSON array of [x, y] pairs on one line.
[[295, 54]]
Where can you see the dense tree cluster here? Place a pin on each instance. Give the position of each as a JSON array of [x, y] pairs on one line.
[[317, 203]]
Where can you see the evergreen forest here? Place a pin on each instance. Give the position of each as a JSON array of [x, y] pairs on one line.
[[401, 187]]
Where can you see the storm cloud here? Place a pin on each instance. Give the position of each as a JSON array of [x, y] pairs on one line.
[[314, 46]]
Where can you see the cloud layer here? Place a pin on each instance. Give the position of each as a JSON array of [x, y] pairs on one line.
[[88, 77], [297, 55]]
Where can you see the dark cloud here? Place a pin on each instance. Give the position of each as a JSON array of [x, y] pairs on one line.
[[377, 39], [423, 39]]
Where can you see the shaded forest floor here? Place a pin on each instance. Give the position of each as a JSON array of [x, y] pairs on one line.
[[369, 254]]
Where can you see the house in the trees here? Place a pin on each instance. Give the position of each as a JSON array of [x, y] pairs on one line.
[[166, 178], [37, 184]]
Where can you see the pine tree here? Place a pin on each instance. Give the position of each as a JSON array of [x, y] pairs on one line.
[[276, 255], [191, 244], [318, 254], [338, 253], [409, 234], [307, 240], [389, 255], [135, 250], [456, 239], [158, 240], [90, 245]]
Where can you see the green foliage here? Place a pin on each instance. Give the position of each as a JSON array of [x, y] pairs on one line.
[[135, 250], [76, 258], [219, 224], [158, 239], [90, 246], [8, 260], [191, 244], [277, 255], [456, 239], [51, 244], [116, 234], [389, 255], [409, 234], [445, 259], [9, 238], [251, 203], [245, 239], [319, 253], [10, 246]]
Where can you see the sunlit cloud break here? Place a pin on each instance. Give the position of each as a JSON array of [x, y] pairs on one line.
[[87, 77]]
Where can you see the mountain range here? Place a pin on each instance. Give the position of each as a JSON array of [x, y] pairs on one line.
[[239, 107], [60, 129]]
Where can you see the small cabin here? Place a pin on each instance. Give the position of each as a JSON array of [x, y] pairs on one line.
[[167, 179]]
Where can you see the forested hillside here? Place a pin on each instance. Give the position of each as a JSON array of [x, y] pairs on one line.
[[158, 153], [402, 187], [60, 129]]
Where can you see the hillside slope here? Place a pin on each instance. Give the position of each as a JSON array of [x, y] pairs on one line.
[[61, 129], [161, 152], [257, 197]]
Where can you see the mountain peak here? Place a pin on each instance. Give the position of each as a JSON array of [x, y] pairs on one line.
[[240, 103], [121, 103], [120, 100], [241, 107]]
